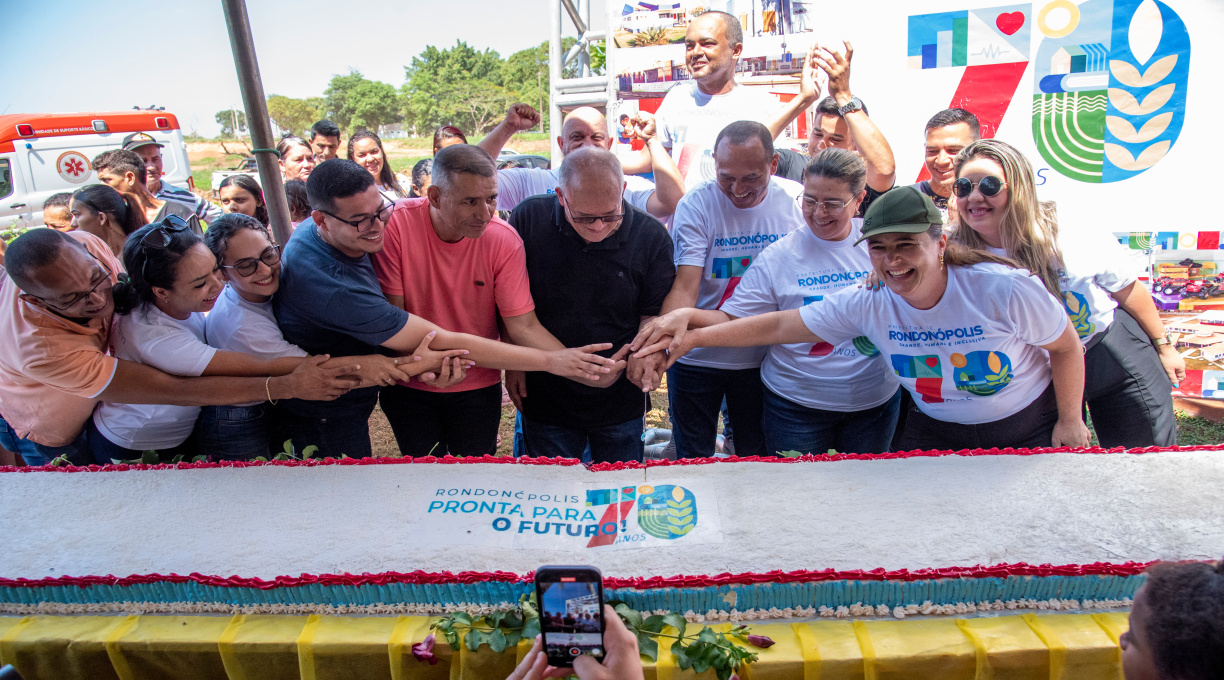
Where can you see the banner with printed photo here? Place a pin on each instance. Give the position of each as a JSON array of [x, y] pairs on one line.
[[1106, 98]]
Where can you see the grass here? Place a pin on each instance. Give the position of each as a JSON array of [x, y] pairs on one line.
[[1195, 431]]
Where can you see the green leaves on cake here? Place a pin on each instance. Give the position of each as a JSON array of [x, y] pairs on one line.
[[702, 651], [669, 511]]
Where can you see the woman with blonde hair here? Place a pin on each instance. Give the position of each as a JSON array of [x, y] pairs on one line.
[[1131, 365]]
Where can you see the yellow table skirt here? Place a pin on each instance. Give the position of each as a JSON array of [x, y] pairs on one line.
[[251, 647]]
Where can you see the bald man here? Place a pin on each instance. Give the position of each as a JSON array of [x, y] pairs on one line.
[[584, 127]]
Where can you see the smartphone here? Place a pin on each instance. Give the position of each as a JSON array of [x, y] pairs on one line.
[[571, 612]]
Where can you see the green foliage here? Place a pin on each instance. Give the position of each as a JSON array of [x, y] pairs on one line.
[[12, 232], [292, 115], [650, 37], [701, 652], [226, 120], [353, 102]]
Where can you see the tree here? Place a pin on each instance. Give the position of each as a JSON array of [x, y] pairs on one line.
[[291, 115], [353, 102], [525, 74], [227, 119], [440, 82]]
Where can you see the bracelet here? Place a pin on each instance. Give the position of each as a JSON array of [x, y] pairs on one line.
[[268, 390]]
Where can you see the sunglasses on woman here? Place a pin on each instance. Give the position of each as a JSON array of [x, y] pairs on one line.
[[988, 186], [160, 237]]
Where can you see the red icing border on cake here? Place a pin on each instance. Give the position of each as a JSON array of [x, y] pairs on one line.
[[639, 583], [604, 467]]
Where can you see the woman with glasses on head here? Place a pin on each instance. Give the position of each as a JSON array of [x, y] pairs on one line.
[[100, 210], [1131, 366], [366, 149], [243, 321], [296, 158], [174, 280], [242, 194]]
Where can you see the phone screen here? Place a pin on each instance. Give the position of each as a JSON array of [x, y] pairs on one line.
[[571, 614]]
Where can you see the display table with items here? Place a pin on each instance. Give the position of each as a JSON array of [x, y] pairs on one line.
[[924, 564]]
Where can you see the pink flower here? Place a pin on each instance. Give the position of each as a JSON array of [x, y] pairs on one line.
[[423, 651], [760, 641]]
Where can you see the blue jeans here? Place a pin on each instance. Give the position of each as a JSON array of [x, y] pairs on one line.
[[694, 394], [794, 427], [608, 444], [106, 451], [238, 432], [36, 454]]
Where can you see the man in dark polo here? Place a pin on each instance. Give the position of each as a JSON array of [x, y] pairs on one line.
[[599, 268]]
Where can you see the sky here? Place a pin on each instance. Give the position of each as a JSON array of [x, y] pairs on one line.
[[66, 56]]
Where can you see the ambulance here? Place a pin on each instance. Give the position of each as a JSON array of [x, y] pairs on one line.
[[45, 153]]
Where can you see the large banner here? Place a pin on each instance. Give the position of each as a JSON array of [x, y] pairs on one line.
[[1111, 100]]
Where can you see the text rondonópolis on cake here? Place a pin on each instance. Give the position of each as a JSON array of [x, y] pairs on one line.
[[574, 516]]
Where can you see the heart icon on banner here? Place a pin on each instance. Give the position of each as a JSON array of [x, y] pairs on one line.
[[1009, 23], [932, 362]]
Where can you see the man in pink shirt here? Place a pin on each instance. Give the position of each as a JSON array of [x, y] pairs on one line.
[[56, 310], [448, 258]]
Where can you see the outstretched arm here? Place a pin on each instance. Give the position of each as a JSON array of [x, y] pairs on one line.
[[774, 328], [135, 383], [569, 363], [669, 183]]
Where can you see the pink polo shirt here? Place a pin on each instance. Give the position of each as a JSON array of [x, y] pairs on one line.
[[462, 287], [52, 369]]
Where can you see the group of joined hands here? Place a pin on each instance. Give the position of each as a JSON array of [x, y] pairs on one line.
[[656, 347]]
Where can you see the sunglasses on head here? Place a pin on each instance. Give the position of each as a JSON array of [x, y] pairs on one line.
[[160, 237], [988, 186]]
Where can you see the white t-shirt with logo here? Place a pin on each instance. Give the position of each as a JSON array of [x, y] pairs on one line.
[[802, 269], [515, 185], [1093, 267], [238, 325], [150, 336], [975, 357], [711, 233], [689, 120]]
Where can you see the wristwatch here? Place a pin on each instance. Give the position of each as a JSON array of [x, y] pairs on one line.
[[854, 105], [1166, 339]]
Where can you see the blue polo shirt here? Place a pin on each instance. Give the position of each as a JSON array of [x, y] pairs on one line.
[[330, 303]]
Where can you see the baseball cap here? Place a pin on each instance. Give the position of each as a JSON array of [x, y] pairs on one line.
[[904, 210], [138, 139]]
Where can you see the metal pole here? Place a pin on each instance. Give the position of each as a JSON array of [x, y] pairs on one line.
[[584, 57], [554, 77], [257, 118]]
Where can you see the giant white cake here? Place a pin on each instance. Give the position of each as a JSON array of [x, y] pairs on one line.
[[897, 533]]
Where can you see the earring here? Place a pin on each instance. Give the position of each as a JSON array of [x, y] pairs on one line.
[[941, 261]]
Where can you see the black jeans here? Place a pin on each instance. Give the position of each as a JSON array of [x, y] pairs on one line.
[[438, 423], [1127, 390], [346, 433], [1032, 427]]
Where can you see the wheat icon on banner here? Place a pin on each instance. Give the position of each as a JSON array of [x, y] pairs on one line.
[[669, 511]]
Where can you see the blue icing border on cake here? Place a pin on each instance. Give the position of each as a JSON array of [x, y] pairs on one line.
[[699, 600]]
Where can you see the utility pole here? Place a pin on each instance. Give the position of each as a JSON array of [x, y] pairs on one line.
[[256, 106]]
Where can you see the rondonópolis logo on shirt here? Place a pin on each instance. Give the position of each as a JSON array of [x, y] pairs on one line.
[[981, 373]]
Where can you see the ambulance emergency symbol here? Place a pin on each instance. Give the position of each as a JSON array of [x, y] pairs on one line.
[[1109, 86], [73, 167]]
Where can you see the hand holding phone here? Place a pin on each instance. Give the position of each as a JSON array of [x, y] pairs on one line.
[[622, 660], [570, 600]]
